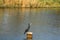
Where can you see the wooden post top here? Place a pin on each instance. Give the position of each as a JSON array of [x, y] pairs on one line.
[[29, 33]]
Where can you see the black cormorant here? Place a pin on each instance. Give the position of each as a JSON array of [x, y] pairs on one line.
[[27, 29]]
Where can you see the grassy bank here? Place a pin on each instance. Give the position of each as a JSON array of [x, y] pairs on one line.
[[29, 3]]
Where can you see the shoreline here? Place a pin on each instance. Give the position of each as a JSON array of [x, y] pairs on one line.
[[28, 7]]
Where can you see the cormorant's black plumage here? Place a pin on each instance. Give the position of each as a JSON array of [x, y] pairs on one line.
[[27, 29]]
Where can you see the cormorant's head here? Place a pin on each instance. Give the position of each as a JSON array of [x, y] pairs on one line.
[[29, 23]]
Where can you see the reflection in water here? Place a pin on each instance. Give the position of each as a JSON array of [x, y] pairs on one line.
[[45, 23]]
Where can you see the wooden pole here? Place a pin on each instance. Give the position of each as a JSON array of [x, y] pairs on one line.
[[29, 35]]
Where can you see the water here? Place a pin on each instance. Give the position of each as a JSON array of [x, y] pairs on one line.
[[45, 23]]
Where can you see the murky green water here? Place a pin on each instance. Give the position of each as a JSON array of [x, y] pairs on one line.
[[45, 23]]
